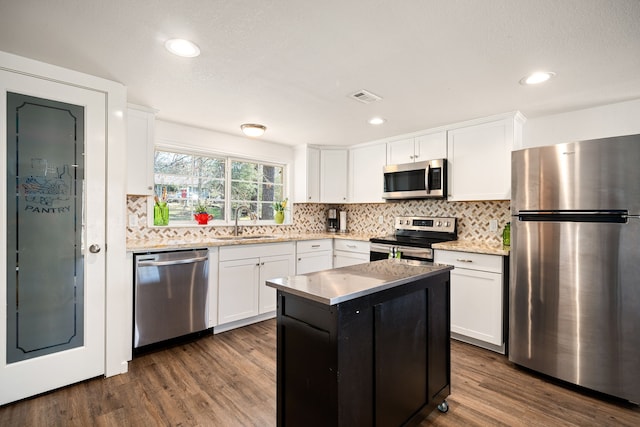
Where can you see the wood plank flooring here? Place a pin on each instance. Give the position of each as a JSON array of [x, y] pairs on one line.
[[230, 380]]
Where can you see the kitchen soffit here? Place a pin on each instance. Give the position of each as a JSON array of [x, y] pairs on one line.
[[291, 65]]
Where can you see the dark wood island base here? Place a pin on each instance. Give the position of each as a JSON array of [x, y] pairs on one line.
[[381, 359]]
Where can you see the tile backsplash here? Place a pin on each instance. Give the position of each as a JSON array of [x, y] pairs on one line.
[[364, 218]]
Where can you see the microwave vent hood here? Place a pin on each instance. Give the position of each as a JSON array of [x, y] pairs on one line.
[[418, 180]]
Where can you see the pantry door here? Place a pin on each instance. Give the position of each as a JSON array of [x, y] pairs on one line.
[[52, 296]]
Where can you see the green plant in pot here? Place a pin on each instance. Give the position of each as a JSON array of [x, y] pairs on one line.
[[201, 213], [278, 211]]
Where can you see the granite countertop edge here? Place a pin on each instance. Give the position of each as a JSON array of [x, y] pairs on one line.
[[475, 247], [216, 241]]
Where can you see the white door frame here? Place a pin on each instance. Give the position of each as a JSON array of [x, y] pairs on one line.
[[118, 292]]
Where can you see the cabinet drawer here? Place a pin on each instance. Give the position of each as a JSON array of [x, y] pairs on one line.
[[351, 246], [313, 245], [234, 252], [469, 260]]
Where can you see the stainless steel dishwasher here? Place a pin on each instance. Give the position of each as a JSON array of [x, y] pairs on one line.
[[170, 297]]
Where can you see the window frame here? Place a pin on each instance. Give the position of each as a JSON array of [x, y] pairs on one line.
[[229, 158]]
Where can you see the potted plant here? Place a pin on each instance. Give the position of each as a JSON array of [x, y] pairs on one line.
[[201, 213], [278, 209]]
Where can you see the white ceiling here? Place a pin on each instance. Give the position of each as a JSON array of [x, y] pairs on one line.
[[290, 64]]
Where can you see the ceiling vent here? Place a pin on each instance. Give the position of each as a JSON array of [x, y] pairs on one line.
[[365, 96]]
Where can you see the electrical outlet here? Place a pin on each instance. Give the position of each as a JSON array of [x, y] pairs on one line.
[[133, 220], [493, 225], [381, 219]]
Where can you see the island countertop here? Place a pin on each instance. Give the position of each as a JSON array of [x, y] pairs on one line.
[[343, 284]]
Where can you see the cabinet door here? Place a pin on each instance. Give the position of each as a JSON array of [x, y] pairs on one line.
[[476, 305], [238, 289], [333, 176], [367, 178], [401, 151], [431, 146], [480, 161], [344, 259], [307, 175], [312, 262], [140, 151], [271, 268], [313, 175]]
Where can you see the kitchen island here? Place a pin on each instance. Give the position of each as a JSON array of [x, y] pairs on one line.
[[363, 345]]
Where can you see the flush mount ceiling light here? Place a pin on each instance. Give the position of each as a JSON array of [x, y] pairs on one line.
[[182, 47], [376, 121], [537, 77], [253, 130]]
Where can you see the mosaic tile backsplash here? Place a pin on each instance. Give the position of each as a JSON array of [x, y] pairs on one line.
[[473, 220]]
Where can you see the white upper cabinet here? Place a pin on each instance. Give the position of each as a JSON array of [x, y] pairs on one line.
[[417, 149], [307, 175], [365, 173], [479, 157], [333, 176], [140, 150]]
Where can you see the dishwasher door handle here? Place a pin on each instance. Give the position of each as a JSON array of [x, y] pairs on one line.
[[172, 262]]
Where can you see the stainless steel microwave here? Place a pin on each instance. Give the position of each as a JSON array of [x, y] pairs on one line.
[[419, 180]]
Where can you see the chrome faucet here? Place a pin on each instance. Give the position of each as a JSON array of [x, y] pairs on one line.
[[238, 210]]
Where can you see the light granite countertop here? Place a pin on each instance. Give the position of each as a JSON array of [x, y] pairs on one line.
[[476, 247], [343, 284], [247, 239]]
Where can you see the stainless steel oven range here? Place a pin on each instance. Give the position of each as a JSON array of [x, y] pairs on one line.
[[413, 237]]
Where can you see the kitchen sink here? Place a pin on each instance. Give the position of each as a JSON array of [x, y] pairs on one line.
[[260, 236]]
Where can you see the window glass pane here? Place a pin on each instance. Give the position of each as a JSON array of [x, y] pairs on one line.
[[189, 179], [256, 182]]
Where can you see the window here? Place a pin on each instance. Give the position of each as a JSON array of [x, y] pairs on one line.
[[189, 180], [223, 184], [257, 186]]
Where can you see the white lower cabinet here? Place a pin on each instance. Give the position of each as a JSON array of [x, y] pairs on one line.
[[477, 297], [242, 272], [349, 252], [314, 255]]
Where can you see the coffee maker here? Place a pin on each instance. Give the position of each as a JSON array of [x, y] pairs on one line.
[[332, 220]]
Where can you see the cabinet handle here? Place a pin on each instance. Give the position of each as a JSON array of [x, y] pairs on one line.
[[464, 260], [416, 156], [309, 197], [258, 265], [351, 246], [150, 187], [411, 157], [315, 246], [299, 259]]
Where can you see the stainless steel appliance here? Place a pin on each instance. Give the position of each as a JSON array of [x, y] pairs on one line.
[[575, 263], [170, 298], [419, 180], [413, 238], [332, 220]]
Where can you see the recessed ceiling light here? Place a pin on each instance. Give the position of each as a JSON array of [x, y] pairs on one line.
[[376, 121], [182, 47], [253, 130], [537, 77]]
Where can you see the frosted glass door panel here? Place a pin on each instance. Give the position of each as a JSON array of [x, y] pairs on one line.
[[45, 173]]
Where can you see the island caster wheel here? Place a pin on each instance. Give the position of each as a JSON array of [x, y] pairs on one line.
[[443, 407]]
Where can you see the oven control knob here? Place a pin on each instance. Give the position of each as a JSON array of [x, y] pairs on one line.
[[438, 223], [447, 223]]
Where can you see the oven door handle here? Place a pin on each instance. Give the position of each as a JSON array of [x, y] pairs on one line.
[[415, 252]]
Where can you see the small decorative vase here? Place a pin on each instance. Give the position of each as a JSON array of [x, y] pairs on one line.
[[279, 217], [160, 213], [202, 218]]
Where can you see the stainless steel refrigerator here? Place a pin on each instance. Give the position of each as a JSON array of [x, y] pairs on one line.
[[574, 304]]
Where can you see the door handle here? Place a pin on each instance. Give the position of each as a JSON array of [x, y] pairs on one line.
[[94, 249]]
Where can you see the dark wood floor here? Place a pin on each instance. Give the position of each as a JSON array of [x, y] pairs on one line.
[[230, 380]]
